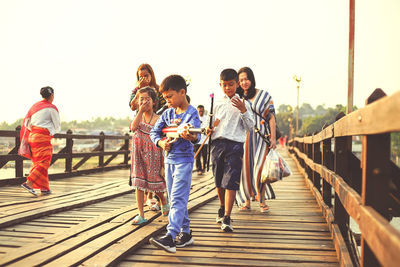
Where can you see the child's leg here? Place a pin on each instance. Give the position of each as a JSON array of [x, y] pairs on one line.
[[140, 201], [179, 177], [218, 158], [229, 200], [163, 199], [221, 196]]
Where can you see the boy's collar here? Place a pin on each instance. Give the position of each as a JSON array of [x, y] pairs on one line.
[[225, 96]]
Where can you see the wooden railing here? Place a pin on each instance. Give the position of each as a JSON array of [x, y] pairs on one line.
[[68, 154], [367, 190]]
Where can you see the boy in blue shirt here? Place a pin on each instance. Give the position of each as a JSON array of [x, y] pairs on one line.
[[178, 161], [233, 119]]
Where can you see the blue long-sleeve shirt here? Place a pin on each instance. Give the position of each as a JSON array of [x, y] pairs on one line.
[[181, 150]]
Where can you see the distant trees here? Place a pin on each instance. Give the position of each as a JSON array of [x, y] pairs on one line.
[[96, 124], [310, 120]]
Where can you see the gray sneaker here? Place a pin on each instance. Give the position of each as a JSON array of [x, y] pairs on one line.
[[184, 239], [221, 213], [226, 224], [166, 243]]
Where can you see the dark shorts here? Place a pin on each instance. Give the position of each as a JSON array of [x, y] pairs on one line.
[[227, 158]]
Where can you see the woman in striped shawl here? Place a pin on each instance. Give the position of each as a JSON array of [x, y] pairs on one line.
[[255, 147], [38, 128]]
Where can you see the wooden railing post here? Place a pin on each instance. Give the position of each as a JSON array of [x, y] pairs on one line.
[[126, 147], [327, 161], [375, 178], [309, 152], [316, 156], [69, 142], [342, 168], [19, 162], [101, 149]]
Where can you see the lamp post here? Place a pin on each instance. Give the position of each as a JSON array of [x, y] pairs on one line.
[[290, 120], [298, 80], [290, 128]]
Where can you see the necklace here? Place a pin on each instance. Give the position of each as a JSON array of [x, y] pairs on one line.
[[144, 118]]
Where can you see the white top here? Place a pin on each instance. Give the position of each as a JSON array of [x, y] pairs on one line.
[[204, 124], [47, 118], [233, 124]]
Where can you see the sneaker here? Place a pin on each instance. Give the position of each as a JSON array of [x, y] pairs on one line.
[[29, 189], [221, 213], [45, 192], [184, 239], [155, 207], [166, 243], [226, 224]]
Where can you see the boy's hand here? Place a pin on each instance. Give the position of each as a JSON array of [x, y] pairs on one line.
[[165, 144], [239, 104], [188, 136], [211, 130]]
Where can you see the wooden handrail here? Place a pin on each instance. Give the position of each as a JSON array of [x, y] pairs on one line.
[[371, 204], [68, 154]]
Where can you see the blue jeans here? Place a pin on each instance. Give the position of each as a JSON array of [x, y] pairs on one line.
[[179, 179]]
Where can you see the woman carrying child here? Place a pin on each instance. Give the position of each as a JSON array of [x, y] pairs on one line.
[[145, 77], [146, 158], [255, 147]]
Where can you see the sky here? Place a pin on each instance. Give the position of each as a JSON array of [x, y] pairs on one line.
[[89, 50]]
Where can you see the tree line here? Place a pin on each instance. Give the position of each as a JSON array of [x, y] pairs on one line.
[[310, 121]]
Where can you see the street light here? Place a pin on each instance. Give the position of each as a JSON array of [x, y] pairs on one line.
[[298, 80]]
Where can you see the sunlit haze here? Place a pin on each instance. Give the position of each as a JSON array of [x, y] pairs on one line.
[[89, 51]]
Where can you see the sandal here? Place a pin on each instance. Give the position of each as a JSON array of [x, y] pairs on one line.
[[155, 207], [264, 208], [165, 210], [244, 208], [138, 220]]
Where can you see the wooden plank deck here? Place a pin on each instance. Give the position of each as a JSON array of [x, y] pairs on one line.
[[87, 222]]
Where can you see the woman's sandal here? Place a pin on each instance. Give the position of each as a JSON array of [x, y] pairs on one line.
[[244, 208], [138, 220], [264, 208], [165, 210]]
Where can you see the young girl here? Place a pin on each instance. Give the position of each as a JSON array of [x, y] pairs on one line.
[[146, 158]]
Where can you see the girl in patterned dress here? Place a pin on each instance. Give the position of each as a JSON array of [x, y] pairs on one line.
[[146, 158], [255, 147]]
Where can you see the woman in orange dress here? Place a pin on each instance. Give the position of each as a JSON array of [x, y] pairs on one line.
[[38, 128]]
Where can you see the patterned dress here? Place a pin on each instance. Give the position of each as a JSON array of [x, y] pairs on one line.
[[255, 152], [147, 160]]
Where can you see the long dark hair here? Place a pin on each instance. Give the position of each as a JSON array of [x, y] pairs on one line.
[[252, 90]]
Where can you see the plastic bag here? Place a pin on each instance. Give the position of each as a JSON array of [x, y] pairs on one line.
[[275, 168], [285, 169], [24, 148]]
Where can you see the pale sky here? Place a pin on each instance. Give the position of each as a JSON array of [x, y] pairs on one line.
[[89, 50]]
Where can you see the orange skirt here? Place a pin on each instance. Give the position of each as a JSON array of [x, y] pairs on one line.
[[42, 151]]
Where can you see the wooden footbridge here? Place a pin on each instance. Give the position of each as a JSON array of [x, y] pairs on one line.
[[86, 221]]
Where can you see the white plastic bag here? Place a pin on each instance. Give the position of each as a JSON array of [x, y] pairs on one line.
[[275, 168]]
